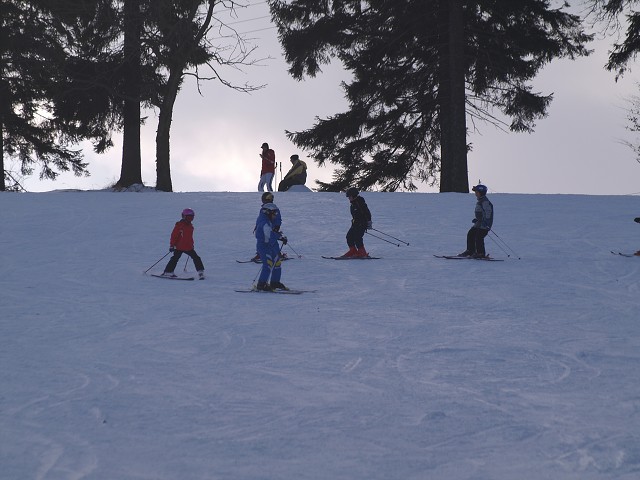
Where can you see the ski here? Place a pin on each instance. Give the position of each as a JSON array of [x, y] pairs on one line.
[[455, 257], [624, 254], [172, 278], [284, 292], [352, 258], [259, 262]]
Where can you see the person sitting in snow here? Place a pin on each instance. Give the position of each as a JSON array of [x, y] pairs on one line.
[[637, 220], [267, 197], [482, 223], [267, 236], [360, 222], [181, 241], [297, 175]]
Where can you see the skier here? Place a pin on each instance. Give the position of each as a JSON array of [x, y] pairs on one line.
[[267, 197], [637, 220], [482, 223], [267, 236], [268, 157], [360, 222], [297, 174], [182, 242]]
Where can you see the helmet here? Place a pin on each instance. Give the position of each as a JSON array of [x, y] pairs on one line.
[[352, 192], [267, 197], [269, 209], [188, 212], [480, 188], [264, 145]]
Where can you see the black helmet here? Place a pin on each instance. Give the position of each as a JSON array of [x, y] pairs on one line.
[[264, 145], [352, 192], [267, 197], [482, 189]]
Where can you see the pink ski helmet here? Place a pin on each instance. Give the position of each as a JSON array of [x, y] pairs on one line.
[[187, 212]]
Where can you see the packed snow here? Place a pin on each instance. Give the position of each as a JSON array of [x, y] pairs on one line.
[[408, 367]]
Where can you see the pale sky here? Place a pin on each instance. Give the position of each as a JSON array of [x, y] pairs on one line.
[[216, 136]]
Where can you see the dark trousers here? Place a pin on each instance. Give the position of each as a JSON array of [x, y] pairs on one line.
[[354, 236], [173, 261], [475, 240]]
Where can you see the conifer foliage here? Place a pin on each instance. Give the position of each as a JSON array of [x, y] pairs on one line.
[[420, 70]]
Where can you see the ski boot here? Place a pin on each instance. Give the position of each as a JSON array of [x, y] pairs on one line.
[[351, 253], [264, 287], [278, 286]]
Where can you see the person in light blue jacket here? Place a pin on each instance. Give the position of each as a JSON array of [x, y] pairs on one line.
[[267, 237], [482, 223]]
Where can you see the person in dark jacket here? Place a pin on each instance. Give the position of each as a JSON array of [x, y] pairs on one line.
[[482, 223], [297, 175], [360, 222]]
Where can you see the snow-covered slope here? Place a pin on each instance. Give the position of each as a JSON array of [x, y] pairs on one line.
[[408, 367]]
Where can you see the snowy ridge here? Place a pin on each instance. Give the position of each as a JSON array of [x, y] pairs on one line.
[[409, 367]]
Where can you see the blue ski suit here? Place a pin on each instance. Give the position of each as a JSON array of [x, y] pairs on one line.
[[267, 246]]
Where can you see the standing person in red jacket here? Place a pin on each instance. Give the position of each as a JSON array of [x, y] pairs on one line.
[[182, 242], [268, 157]]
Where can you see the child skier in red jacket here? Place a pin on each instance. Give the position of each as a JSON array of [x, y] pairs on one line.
[[182, 242]]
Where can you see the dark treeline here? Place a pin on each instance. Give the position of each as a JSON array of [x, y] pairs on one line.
[[82, 70]]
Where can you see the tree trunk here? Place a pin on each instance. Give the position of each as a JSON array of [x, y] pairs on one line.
[[131, 171], [3, 185], [452, 95], [176, 70], [163, 163]]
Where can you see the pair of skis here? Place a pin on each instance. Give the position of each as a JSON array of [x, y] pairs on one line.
[[289, 291], [259, 262], [624, 254], [167, 277], [480, 259]]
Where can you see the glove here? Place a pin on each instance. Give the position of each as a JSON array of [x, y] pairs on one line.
[[171, 249], [637, 219], [369, 224], [283, 239]]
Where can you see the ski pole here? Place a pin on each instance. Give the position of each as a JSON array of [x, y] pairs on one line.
[[505, 244], [294, 251], [390, 236], [383, 239], [156, 263], [186, 263]]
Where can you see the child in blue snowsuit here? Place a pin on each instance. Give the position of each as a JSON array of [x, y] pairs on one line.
[[267, 236]]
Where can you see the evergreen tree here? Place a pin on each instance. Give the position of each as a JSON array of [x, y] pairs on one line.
[[32, 130], [615, 13], [420, 68]]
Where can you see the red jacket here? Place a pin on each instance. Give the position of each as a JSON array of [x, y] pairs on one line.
[[268, 162], [182, 236]]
